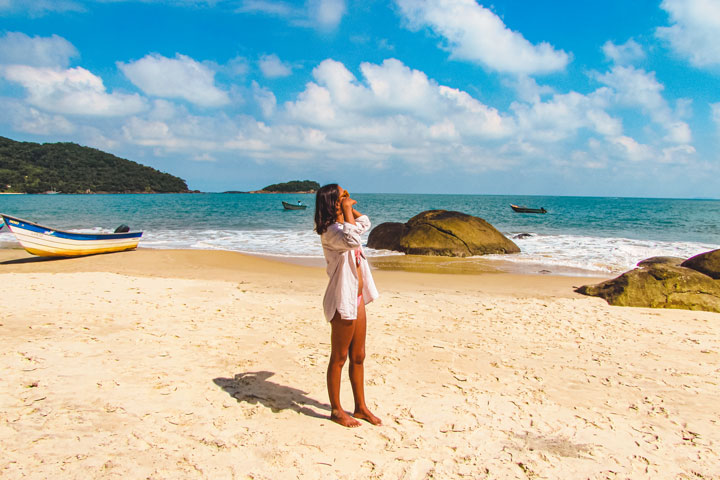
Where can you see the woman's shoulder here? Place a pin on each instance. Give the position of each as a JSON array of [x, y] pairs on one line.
[[332, 230]]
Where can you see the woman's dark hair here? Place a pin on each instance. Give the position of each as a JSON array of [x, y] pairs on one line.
[[325, 207]]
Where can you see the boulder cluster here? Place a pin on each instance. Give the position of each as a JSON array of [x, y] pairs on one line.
[[665, 282], [441, 232]]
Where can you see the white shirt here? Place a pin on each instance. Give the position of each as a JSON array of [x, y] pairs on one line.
[[339, 243]]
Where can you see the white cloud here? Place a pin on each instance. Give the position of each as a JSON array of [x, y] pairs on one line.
[[395, 87], [563, 115], [320, 14], [476, 34], [638, 88], [625, 54], [53, 51], [170, 127], [24, 118], [265, 99], [679, 154], [527, 88], [40, 7], [272, 67], [237, 66], [74, 91], [179, 77], [181, 133], [678, 132], [205, 157], [715, 112], [631, 149], [625, 149], [326, 14], [269, 7], [387, 115], [394, 103], [40, 123], [395, 114], [694, 30]]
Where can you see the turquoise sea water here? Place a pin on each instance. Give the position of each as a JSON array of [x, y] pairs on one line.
[[602, 235]]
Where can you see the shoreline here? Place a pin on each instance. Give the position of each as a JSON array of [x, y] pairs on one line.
[[450, 265], [224, 265], [402, 262]]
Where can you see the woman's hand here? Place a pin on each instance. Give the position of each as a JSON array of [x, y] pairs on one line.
[[346, 210], [347, 203]]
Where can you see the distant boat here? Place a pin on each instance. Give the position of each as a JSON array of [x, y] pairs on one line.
[[527, 210], [49, 242], [294, 206]]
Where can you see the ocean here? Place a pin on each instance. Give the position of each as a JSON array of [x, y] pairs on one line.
[[578, 235]]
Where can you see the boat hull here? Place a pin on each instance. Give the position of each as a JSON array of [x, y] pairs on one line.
[[527, 210], [49, 242], [290, 206]]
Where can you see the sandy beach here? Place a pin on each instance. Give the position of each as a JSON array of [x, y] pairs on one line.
[[208, 364]]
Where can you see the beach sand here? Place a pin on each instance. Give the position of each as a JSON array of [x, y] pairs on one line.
[[206, 364]]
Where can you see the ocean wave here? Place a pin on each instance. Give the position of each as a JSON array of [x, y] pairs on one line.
[[596, 254], [574, 252]]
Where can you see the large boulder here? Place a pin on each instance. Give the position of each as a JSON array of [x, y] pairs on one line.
[[674, 261], [659, 285], [707, 263], [441, 232], [386, 236]]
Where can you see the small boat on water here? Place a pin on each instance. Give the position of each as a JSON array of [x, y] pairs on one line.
[[527, 210], [294, 206], [49, 242]]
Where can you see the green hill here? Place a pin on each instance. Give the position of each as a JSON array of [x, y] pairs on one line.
[[28, 167], [294, 186]]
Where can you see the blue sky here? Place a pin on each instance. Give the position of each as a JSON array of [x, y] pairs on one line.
[[611, 98]]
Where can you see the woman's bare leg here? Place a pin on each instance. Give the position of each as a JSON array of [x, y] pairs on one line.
[[357, 368], [340, 339]]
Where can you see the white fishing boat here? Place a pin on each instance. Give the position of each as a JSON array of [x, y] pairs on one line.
[[50, 242]]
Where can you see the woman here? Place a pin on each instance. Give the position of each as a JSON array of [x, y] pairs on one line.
[[351, 286]]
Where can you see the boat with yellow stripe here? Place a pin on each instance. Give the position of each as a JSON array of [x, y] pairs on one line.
[[50, 242]]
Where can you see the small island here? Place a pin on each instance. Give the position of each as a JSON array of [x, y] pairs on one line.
[[294, 186], [27, 167]]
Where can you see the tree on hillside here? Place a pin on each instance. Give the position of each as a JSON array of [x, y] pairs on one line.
[[70, 168], [293, 186]]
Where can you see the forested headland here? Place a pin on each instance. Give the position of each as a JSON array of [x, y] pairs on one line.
[[27, 167], [295, 186]]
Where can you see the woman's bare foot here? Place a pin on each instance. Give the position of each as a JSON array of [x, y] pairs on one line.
[[342, 418], [364, 414]]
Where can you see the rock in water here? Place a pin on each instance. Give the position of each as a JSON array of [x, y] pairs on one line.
[[386, 236], [707, 263], [441, 232], [675, 261], [659, 285]]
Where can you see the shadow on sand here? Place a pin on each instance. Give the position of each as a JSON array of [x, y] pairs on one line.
[[254, 387], [18, 261], [41, 258]]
